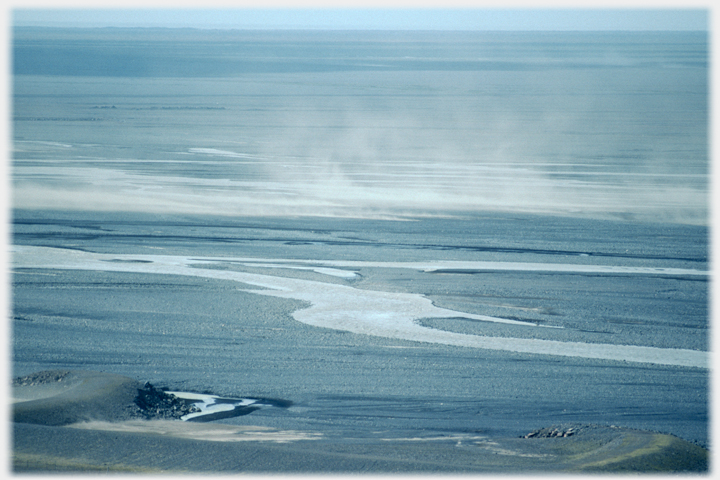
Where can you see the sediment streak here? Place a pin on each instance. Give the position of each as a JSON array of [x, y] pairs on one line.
[[368, 312]]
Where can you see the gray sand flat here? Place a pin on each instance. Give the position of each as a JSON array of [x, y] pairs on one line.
[[82, 421], [43, 448]]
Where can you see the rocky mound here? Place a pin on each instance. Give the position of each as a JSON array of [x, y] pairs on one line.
[[153, 402]]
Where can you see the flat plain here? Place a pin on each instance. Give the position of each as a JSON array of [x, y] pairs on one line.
[[413, 250]]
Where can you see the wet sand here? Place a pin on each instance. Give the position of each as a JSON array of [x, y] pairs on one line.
[[83, 421]]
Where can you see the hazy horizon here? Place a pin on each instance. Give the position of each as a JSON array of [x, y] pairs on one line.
[[475, 19]]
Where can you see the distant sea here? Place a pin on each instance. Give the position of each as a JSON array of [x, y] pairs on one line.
[[361, 124]]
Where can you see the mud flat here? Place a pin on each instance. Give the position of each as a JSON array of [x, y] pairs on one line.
[[83, 421]]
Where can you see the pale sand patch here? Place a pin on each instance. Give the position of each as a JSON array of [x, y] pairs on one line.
[[200, 431]]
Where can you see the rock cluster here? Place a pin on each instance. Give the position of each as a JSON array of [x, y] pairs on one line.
[[40, 378], [551, 432], [153, 402]]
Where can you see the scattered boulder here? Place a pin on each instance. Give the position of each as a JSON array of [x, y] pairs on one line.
[[40, 378], [555, 431]]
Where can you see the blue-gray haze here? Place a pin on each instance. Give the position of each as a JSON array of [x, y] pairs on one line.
[[610, 125]]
